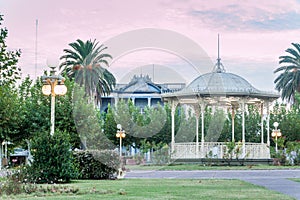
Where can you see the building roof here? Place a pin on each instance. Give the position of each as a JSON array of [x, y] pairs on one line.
[[140, 84]]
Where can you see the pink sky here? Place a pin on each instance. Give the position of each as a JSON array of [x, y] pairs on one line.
[[253, 33]]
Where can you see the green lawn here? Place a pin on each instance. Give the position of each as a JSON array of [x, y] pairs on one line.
[[201, 167], [295, 179], [138, 189]]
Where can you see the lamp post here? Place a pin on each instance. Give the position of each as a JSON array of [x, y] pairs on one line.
[[275, 134], [120, 134], [53, 85]]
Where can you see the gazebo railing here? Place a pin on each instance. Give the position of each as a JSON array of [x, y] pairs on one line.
[[218, 150]]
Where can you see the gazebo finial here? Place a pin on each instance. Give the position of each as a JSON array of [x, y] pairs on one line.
[[219, 66]]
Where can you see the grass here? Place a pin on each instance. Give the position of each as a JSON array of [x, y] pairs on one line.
[[141, 189], [295, 179], [202, 167]]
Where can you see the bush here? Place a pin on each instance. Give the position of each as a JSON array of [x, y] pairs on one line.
[[53, 159], [10, 186], [231, 150], [293, 153], [96, 164], [161, 156], [16, 183]]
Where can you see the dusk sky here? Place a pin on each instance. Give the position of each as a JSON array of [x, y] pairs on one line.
[[171, 33]]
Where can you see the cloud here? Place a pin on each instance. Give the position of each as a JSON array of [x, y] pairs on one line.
[[287, 21], [250, 16], [248, 29]]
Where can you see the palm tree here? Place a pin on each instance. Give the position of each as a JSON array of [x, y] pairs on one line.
[[84, 63], [288, 82]]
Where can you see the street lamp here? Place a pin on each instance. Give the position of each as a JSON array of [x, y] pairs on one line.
[[275, 134], [120, 134], [53, 85]]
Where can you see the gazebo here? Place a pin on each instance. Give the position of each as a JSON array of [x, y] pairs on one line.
[[227, 90]]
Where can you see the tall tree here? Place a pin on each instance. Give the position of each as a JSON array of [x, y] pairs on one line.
[[88, 122], [288, 119], [34, 112], [85, 63], [9, 73], [9, 107], [288, 82]]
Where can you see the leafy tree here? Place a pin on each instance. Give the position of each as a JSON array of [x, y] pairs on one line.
[[84, 62], [126, 114], [216, 124], [9, 118], [9, 71], [252, 124], [150, 122], [289, 121], [290, 125], [207, 119], [152, 125], [110, 125], [164, 135], [34, 114], [151, 128], [288, 82], [88, 122], [226, 134], [64, 119], [187, 128]]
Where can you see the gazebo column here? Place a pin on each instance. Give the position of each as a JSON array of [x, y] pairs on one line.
[[173, 109], [243, 128], [116, 100], [268, 124], [149, 102], [232, 123], [197, 114], [202, 107], [262, 122]]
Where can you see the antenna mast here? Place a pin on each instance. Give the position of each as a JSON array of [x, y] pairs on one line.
[[219, 59], [219, 65], [153, 73]]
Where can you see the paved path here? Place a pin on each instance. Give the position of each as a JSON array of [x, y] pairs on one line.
[[271, 179]]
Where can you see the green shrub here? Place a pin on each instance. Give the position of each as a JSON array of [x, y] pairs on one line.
[[16, 183], [293, 153], [161, 156], [10, 186], [96, 164], [231, 150], [52, 159]]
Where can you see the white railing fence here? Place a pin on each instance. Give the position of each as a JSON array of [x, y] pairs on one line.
[[218, 150]]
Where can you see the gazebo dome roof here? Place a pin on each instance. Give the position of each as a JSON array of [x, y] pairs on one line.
[[220, 82]]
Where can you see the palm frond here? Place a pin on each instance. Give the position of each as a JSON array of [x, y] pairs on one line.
[[96, 79], [288, 82]]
